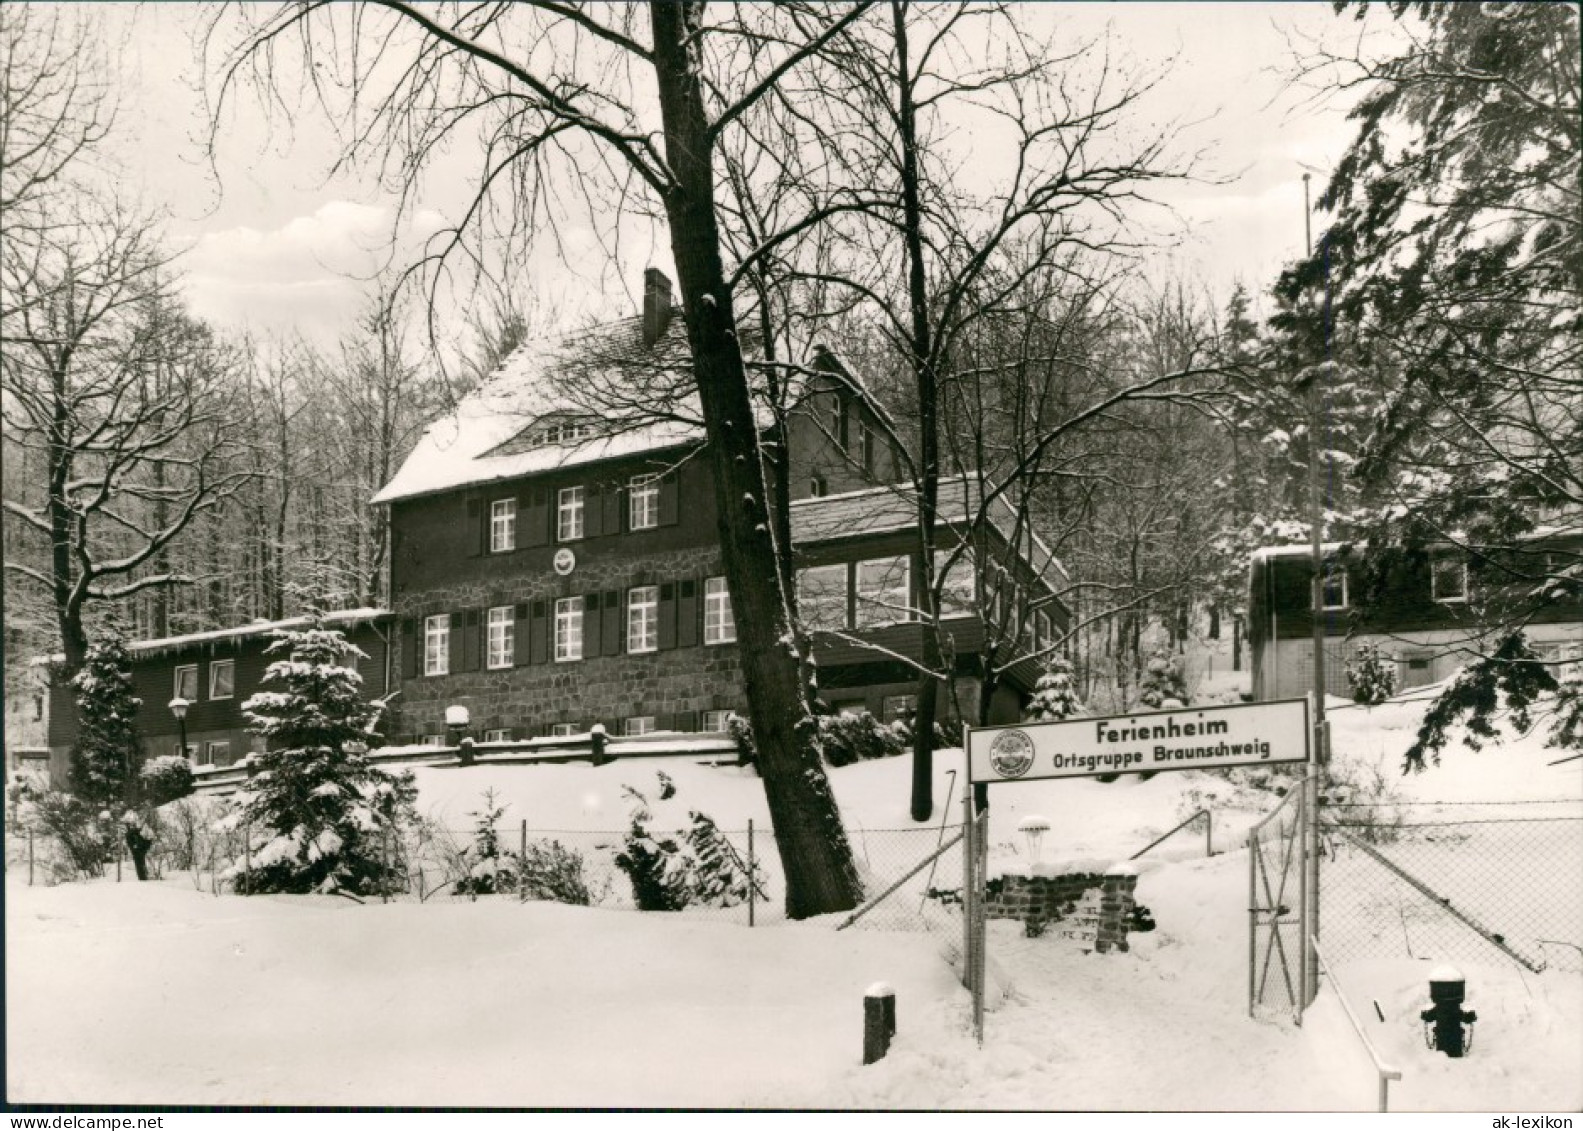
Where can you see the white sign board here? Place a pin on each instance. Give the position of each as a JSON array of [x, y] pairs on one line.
[[1186, 738]]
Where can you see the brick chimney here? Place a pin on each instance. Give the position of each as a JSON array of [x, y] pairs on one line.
[[656, 304]]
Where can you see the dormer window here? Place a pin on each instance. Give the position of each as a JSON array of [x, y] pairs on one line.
[[563, 431], [817, 487], [1448, 578]]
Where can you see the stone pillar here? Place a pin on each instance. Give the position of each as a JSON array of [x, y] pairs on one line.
[[1115, 907]]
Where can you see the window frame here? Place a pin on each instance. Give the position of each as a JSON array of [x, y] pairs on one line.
[[643, 619], [643, 502], [722, 629], [1330, 573], [891, 707], [636, 726], [723, 728], [498, 734], [883, 608], [956, 600], [803, 606], [570, 514], [508, 636], [177, 682], [216, 666], [437, 644], [568, 612], [209, 749], [502, 526], [1436, 564], [564, 730]]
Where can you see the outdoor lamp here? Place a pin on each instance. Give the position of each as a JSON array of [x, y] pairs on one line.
[[178, 707]]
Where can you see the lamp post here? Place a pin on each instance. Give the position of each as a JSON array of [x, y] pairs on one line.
[[178, 707]]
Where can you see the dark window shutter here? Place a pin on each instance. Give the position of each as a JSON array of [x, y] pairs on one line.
[[533, 518], [687, 615], [520, 639], [669, 507], [519, 733], [593, 511], [409, 649], [591, 622], [614, 625], [668, 615], [684, 721], [477, 528], [540, 633], [458, 646], [470, 641], [615, 502]]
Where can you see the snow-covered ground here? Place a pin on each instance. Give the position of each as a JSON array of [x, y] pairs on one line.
[[159, 993]]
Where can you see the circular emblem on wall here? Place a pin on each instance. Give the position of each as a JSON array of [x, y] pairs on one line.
[[565, 561], [1011, 753]]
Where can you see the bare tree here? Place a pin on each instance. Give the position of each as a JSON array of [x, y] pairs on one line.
[[122, 399]]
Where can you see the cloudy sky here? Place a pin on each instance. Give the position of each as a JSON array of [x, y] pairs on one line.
[[276, 246]]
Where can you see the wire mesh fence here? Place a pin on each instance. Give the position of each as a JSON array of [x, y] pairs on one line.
[[1275, 923], [1481, 883]]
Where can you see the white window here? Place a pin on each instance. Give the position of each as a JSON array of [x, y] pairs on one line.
[[502, 637], [716, 722], [501, 735], [564, 730], [217, 754], [565, 432], [893, 707], [719, 627], [883, 592], [222, 679], [821, 597], [437, 644], [1334, 590], [568, 629], [956, 592], [643, 618], [187, 682], [569, 514], [643, 502], [502, 525], [1448, 578], [638, 724], [434, 740]]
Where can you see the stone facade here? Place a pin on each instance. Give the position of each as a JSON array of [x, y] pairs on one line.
[[674, 685]]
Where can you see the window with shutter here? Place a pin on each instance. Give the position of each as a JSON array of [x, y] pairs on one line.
[[719, 628], [643, 619], [568, 629], [501, 644], [437, 644]]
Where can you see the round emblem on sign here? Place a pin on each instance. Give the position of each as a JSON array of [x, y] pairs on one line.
[[565, 561], [1011, 754]]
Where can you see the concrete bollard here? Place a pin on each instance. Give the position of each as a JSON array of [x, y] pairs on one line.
[[464, 752], [879, 1021]]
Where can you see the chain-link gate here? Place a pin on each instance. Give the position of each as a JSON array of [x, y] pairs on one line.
[[1277, 895]]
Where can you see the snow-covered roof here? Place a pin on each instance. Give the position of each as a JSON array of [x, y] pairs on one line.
[[487, 438], [1297, 551], [891, 508], [240, 632]]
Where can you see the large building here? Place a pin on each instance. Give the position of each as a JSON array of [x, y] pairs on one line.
[[555, 562], [1440, 609]]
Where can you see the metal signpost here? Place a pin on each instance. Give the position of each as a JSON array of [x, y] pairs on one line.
[[1182, 738]]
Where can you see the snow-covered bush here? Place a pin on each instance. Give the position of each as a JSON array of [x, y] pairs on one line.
[[657, 867], [1162, 680], [165, 779], [490, 869], [720, 875], [319, 817], [83, 834], [1055, 695], [857, 738], [552, 871], [1371, 675]]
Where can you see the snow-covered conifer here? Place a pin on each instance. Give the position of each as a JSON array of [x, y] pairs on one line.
[[320, 817], [1054, 696], [109, 752], [1371, 675], [1163, 680]]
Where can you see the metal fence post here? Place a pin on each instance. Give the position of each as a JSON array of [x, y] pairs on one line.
[[1253, 911], [30, 858], [752, 884], [522, 864]]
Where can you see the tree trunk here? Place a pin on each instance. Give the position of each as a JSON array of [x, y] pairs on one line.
[[820, 874], [928, 429]]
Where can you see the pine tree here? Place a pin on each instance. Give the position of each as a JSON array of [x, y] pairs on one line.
[[1162, 680], [109, 752], [1371, 675], [328, 821], [1054, 696], [491, 869]]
